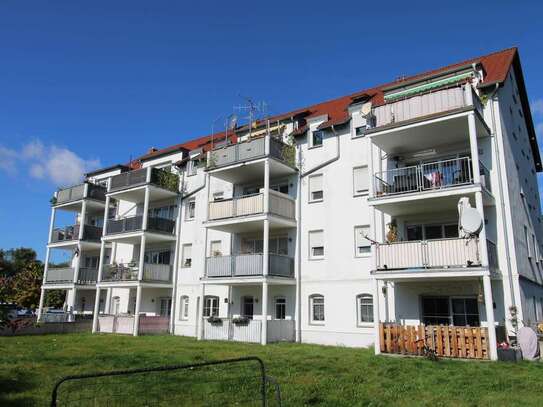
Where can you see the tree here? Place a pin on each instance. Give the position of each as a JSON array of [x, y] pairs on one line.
[[26, 286], [13, 261], [6, 290], [55, 298]]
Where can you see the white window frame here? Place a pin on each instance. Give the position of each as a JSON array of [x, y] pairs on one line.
[[310, 188], [211, 244], [192, 168], [184, 303], [283, 304], [357, 229], [211, 306], [312, 305], [184, 255], [527, 240], [312, 138], [361, 191], [190, 202], [359, 299], [312, 256]]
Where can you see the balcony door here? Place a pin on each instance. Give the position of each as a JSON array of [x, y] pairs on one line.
[[165, 307], [247, 306], [431, 231]]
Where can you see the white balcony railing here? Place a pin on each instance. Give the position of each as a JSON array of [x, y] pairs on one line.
[[429, 176], [247, 265], [227, 330], [279, 204], [426, 104], [436, 253]]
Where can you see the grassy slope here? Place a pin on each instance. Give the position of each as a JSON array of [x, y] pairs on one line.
[[308, 374]]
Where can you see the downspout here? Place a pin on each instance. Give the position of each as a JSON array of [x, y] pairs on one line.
[[176, 257], [299, 230], [502, 201]]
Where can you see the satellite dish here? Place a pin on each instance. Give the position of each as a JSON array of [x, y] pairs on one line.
[[470, 221], [365, 110]]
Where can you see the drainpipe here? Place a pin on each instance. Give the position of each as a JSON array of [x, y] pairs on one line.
[[299, 230], [502, 201]]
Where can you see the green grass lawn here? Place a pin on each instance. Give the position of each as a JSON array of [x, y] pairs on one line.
[[308, 374]]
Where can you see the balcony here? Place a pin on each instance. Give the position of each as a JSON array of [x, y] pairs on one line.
[[433, 176], [64, 275], [427, 254], [249, 150], [135, 224], [154, 176], [130, 271], [78, 192], [71, 233], [426, 105], [280, 205], [249, 265]]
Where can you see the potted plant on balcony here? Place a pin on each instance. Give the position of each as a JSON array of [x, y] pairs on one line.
[[240, 321], [214, 320], [53, 200], [167, 180], [392, 234]]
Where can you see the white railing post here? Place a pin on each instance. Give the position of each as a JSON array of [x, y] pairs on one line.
[[489, 307], [266, 185], [482, 234], [145, 209], [474, 148], [82, 219], [200, 321], [77, 265], [40, 306], [264, 331], [376, 322], [96, 310], [141, 263], [148, 174], [52, 224], [267, 145], [137, 310], [266, 248]]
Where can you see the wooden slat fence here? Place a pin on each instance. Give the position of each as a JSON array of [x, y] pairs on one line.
[[448, 341]]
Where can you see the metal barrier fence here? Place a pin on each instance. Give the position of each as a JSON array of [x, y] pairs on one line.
[[241, 381]]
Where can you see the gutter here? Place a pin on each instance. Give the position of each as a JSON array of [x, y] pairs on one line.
[[176, 259]]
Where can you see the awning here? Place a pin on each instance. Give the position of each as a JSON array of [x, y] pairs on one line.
[[428, 86]]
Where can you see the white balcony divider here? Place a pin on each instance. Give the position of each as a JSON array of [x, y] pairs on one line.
[[281, 330], [219, 331], [106, 323], [249, 332], [436, 253], [429, 176], [157, 272], [420, 106], [492, 256], [60, 275]]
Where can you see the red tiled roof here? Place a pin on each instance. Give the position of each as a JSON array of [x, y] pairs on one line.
[[496, 66]]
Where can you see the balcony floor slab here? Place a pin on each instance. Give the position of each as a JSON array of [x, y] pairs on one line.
[[135, 237], [249, 223], [249, 280], [462, 273], [70, 244]]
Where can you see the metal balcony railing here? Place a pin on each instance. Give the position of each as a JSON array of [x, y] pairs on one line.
[[429, 176], [87, 275], [69, 233], [244, 265], [57, 275], [161, 178], [77, 192], [245, 151], [280, 204], [135, 223], [130, 272], [426, 104], [435, 253]]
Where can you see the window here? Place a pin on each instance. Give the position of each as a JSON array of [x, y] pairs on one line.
[[360, 180], [362, 245], [218, 196], [187, 255], [91, 262], [282, 187], [280, 308], [192, 167], [184, 308], [215, 248], [365, 308], [465, 312], [316, 244], [211, 306], [428, 232], [535, 247], [164, 212], [190, 210], [316, 138], [360, 131], [277, 245], [157, 257], [316, 304], [316, 193], [527, 241]]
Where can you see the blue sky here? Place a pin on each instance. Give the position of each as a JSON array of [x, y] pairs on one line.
[[87, 84]]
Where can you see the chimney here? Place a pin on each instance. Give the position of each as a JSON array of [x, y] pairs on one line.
[[152, 150]]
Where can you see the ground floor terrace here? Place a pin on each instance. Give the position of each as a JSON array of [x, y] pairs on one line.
[[307, 374]]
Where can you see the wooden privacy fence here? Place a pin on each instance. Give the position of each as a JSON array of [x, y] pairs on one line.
[[448, 341]]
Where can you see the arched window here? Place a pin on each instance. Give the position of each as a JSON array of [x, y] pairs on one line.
[[184, 308], [364, 305], [211, 306], [316, 309]]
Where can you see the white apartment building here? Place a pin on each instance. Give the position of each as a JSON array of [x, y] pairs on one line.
[[331, 224]]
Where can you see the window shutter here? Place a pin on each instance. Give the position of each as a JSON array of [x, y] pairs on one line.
[[315, 183], [361, 179], [316, 238]]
